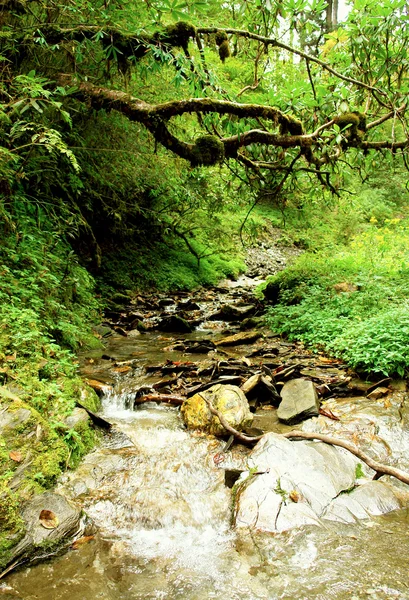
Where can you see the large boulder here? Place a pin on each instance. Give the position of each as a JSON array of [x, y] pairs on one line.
[[229, 400], [230, 312], [174, 324], [299, 401], [290, 484]]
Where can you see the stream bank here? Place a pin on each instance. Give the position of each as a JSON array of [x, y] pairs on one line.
[[160, 497]]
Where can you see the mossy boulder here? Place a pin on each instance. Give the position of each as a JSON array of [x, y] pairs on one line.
[[175, 324], [229, 400]]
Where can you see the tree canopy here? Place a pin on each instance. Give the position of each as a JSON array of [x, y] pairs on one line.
[[287, 101]]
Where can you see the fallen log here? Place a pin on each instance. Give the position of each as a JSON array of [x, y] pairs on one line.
[[166, 398], [379, 468]]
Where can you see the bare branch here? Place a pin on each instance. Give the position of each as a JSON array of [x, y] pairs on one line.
[[379, 468]]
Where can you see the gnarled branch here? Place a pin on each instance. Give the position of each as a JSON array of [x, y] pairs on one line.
[[379, 468]]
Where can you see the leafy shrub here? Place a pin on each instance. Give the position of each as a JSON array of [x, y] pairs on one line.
[[367, 327]]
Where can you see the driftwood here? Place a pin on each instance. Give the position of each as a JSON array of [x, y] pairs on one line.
[[166, 398], [379, 468]]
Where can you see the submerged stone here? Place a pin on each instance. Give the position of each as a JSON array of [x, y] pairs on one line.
[[227, 399]]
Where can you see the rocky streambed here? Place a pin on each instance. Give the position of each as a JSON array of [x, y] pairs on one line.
[[177, 513]]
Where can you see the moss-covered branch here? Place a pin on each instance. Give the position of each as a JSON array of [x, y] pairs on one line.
[[209, 150]]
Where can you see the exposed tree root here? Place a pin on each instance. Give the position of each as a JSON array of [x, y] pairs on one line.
[[379, 468]]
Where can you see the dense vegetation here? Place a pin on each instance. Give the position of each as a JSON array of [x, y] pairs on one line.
[[141, 143]]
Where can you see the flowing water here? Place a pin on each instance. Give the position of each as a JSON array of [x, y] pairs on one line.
[[158, 497]]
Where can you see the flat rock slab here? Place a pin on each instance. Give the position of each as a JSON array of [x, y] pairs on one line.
[[368, 500], [239, 338], [290, 484], [299, 401]]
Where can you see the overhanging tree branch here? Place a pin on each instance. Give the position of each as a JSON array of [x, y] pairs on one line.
[[209, 150], [277, 44]]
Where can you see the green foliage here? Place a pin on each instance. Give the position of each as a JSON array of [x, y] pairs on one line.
[[163, 268], [359, 472], [364, 319]]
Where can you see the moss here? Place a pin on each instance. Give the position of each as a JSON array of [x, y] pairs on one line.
[[362, 120], [77, 390], [11, 523], [349, 122], [224, 51], [291, 125], [208, 150], [176, 35], [220, 37]]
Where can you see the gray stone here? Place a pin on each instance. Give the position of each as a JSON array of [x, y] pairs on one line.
[[299, 401], [294, 483], [373, 498], [38, 537]]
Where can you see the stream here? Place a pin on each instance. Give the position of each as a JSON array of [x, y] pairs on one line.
[[162, 511]]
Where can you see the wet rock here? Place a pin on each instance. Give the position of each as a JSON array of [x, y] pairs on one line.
[[373, 498], [103, 330], [271, 293], [134, 333], [130, 317], [290, 484], [120, 331], [89, 398], [358, 385], [252, 322], [120, 298], [12, 417], [175, 324], [166, 302], [378, 427], [239, 338], [139, 325], [98, 386], [379, 392], [260, 388], [188, 305], [230, 312], [299, 401], [39, 539], [227, 399]]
